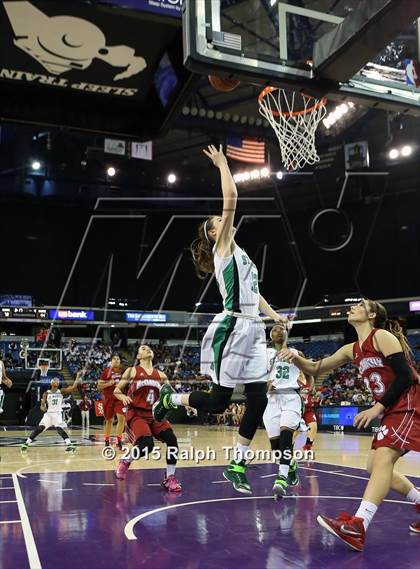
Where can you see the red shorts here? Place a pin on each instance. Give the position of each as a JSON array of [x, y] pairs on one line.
[[400, 425], [112, 405], [309, 417], [140, 424]]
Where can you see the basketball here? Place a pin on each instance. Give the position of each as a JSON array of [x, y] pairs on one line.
[[224, 84]]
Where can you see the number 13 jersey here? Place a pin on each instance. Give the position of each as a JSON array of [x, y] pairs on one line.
[[284, 375], [144, 390], [373, 368]]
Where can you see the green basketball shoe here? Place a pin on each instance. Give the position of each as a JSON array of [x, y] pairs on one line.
[[71, 448], [280, 487], [235, 473], [24, 447], [293, 477], [163, 404]]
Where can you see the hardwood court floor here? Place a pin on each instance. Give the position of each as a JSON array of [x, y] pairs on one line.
[[67, 510], [48, 454]]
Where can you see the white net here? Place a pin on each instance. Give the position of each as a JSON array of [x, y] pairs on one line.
[[294, 118]]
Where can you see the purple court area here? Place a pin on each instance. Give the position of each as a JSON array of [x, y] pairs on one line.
[[88, 520]]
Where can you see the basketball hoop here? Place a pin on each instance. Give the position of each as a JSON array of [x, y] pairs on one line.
[[294, 118]]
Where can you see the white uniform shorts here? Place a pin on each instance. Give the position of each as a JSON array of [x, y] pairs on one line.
[[283, 410], [234, 350], [53, 420]]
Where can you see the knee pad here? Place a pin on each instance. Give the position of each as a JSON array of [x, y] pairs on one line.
[[169, 438], [145, 443], [214, 402], [286, 446], [39, 429], [61, 432]]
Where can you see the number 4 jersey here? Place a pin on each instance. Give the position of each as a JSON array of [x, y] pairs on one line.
[[284, 375], [144, 391]]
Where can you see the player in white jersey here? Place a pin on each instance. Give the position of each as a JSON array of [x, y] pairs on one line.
[[283, 413], [3, 380], [233, 349], [52, 405]]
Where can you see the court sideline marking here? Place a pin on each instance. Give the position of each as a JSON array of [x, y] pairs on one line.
[[31, 550]]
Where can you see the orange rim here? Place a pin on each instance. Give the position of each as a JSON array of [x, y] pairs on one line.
[[315, 107]]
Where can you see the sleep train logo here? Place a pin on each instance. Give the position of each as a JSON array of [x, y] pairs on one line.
[[67, 43]]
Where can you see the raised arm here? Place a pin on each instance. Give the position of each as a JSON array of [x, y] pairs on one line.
[[43, 404], [74, 387], [266, 309], [230, 196], [342, 356]]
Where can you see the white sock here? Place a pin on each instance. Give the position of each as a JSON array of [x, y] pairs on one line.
[[29, 441], [170, 469], [366, 511], [284, 470], [240, 451], [414, 496], [67, 441], [176, 398]]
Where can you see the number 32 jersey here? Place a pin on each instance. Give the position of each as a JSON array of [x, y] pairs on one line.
[[144, 391], [284, 375]]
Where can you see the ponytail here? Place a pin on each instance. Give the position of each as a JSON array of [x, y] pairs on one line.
[[396, 330], [202, 251], [393, 326]]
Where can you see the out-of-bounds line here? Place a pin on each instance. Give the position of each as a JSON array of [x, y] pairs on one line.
[[31, 550]]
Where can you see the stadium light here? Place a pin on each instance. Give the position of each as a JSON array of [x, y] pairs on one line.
[[171, 178], [255, 174], [406, 150], [279, 175], [111, 171]]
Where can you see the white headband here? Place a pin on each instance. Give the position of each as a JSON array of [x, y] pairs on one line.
[[205, 232]]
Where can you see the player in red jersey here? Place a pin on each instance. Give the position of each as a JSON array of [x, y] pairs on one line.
[[310, 401], [382, 355], [144, 383], [110, 378]]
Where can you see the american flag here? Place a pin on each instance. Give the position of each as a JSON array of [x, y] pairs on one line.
[[246, 150]]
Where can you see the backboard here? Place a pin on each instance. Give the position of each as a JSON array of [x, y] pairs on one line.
[[343, 49], [36, 357]]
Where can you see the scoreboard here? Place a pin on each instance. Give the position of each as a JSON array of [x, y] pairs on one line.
[[23, 313]]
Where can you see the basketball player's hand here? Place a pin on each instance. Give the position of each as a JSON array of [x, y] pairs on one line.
[[289, 321], [216, 156], [287, 355], [125, 400], [7, 382], [364, 418], [191, 412]]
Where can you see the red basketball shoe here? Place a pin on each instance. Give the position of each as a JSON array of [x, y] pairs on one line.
[[348, 528], [171, 484], [415, 526], [122, 469]]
